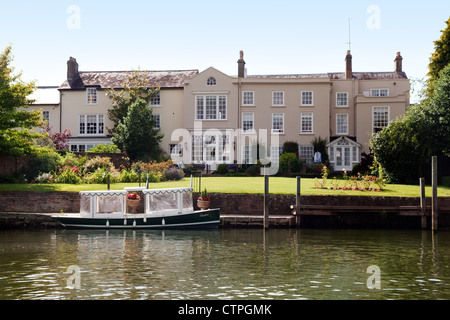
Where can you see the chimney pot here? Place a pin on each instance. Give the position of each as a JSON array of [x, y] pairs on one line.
[[348, 66], [72, 69], [241, 65], [398, 63]]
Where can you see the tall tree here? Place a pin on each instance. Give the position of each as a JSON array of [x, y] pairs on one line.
[[136, 86], [440, 57], [137, 135], [16, 123]]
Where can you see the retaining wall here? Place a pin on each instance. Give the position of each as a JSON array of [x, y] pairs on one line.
[[247, 204]]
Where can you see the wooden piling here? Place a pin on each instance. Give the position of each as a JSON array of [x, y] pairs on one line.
[[297, 202], [266, 201], [423, 204], [434, 202]]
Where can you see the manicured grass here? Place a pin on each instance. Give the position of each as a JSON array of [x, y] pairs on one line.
[[277, 185]]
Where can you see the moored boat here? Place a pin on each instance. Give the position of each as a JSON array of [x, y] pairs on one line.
[[162, 209]]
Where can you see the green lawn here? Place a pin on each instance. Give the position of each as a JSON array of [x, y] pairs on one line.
[[277, 185]]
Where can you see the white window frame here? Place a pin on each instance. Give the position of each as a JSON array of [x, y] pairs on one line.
[[276, 97], [176, 150], [338, 99], [156, 100], [211, 81], [374, 111], [304, 116], [306, 152], [251, 119], [46, 116], [305, 99], [340, 126], [377, 92], [91, 96], [278, 130], [204, 108], [247, 154], [100, 124], [157, 118], [247, 96]]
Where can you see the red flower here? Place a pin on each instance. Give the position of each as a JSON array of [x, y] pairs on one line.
[[133, 196]]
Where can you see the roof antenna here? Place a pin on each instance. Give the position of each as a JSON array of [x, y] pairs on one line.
[[349, 35]]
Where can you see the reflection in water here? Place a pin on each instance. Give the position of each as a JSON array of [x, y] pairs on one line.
[[224, 264]]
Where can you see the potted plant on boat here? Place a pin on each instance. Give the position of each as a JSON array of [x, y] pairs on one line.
[[133, 201], [204, 200]]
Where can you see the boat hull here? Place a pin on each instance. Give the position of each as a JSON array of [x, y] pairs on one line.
[[195, 220]]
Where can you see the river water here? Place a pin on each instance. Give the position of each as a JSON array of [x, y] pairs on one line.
[[229, 264]]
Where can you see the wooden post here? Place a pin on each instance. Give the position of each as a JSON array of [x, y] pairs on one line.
[[108, 181], [434, 203], [266, 201], [423, 204], [297, 202]]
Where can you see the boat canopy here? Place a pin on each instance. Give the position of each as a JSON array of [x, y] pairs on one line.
[[161, 201]]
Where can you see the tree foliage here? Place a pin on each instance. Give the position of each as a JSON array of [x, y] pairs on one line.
[[136, 86], [136, 133], [16, 123], [405, 147], [441, 56]]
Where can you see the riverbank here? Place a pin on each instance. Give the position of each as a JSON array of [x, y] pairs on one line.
[[33, 210]]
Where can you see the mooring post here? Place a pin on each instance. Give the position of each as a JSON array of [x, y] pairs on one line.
[[423, 204], [297, 202], [434, 202], [266, 201]]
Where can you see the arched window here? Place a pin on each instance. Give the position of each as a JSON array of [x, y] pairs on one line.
[[211, 81]]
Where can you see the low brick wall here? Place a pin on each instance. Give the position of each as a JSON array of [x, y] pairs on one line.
[[39, 202], [245, 204]]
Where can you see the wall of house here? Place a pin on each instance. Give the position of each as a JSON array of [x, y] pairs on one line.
[[74, 103], [171, 112]]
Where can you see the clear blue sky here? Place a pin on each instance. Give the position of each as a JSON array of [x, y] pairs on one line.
[[277, 36]]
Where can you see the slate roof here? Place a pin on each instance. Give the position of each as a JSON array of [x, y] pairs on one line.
[[115, 79], [336, 76]]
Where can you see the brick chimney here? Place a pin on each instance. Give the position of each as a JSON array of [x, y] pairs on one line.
[[348, 66], [241, 65], [72, 70], [398, 63]]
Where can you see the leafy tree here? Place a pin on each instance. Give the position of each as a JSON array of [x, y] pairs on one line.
[[405, 147], [437, 113], [136, 86], [441, 56], [16, 123], [401, 148], [137, 135], [59, 139]]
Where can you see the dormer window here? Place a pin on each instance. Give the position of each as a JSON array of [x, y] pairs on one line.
[[211, 81]]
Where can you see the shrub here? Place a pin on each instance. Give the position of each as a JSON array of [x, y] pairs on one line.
[[68, 175], [289, 159], [98, 163], [105, 148], [100, 176], [290, 147], [253, 170], [44, 178], [173, 174], [45, 160], [222, 169], [128, 175]]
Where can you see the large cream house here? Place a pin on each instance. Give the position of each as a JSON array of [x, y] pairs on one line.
[[224, 116], [346, 108], [85, 104]]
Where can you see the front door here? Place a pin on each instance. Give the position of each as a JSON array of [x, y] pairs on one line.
[[343, 159]]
